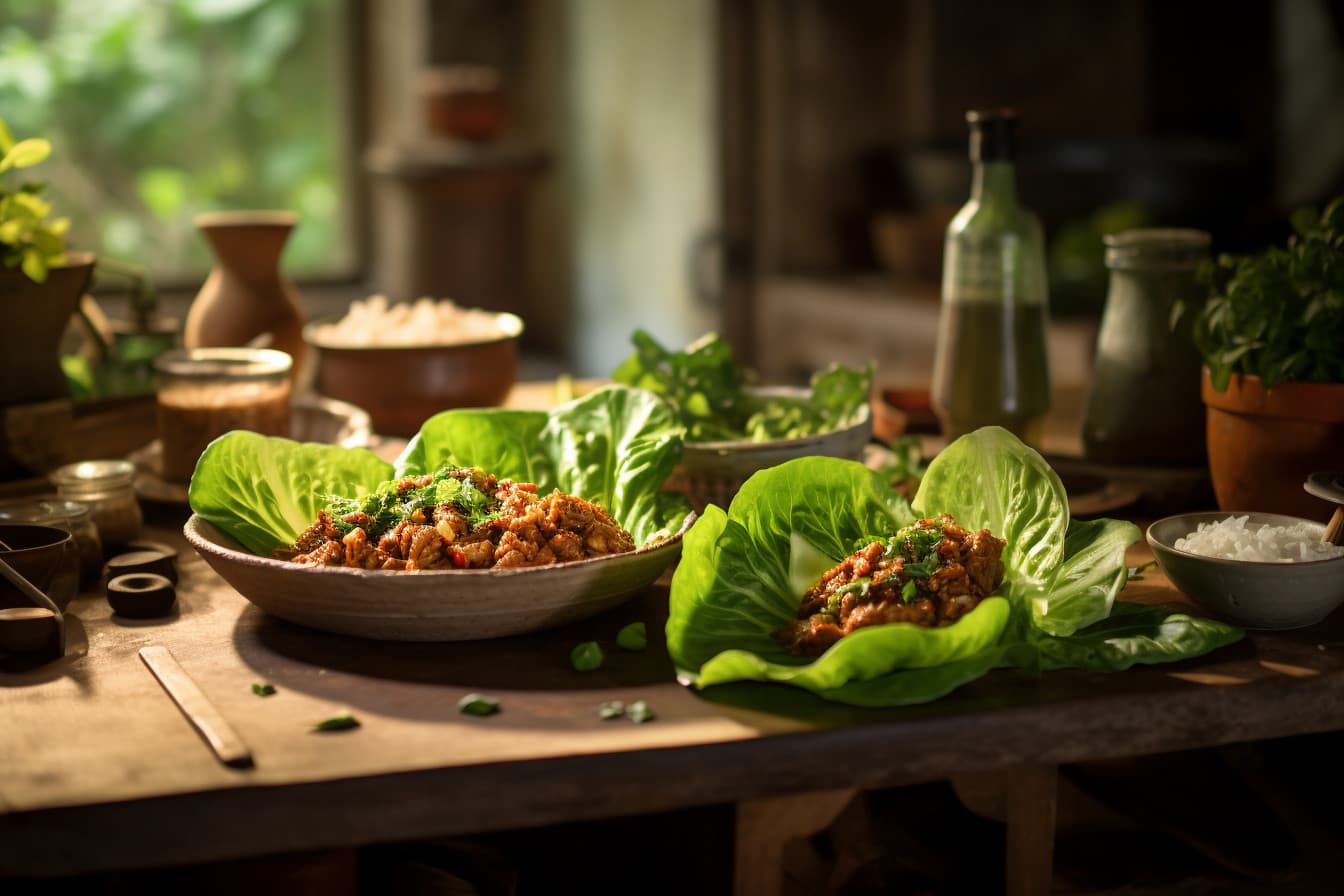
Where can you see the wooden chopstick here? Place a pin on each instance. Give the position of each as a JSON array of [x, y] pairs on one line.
[[198, 709]]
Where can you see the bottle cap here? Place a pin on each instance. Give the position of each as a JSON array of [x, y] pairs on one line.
[[992, 134]]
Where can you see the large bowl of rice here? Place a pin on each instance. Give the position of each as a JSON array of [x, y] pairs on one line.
[[1255, 570], [404, 362]]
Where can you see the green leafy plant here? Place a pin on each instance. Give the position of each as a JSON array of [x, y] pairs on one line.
[[30, 238], [1278, 314], [708, 389]]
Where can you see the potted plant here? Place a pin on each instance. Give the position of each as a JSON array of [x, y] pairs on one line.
[[1272, 338], [40, 282]]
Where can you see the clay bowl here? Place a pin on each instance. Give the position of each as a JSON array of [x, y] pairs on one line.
[[438, 604], [44, 555], [712, 472], [1248, 593], [402, 386]]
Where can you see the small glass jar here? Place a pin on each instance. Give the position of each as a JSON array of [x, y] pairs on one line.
[[107, 488], [73, 517], [206, 392]]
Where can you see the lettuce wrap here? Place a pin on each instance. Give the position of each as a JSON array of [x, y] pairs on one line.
[[614, 446], [743, 573]]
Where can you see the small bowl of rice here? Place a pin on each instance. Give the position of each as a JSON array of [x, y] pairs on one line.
[[1255, 570], [404, 362]]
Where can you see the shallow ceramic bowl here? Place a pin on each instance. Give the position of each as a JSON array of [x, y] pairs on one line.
[[1246, 593], [435, 605], [712, 472], [46, 556], [402, 386]]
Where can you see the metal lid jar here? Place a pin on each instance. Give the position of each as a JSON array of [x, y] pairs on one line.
[[107, 488]]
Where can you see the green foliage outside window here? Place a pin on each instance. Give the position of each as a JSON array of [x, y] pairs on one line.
[[161, 109]]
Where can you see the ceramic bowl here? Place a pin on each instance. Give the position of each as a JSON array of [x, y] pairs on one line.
[[402, 386], [712, 472], [1247, 593], [46, 556], [435, 605]]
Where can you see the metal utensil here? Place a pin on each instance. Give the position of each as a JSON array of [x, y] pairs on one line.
[[198, 709], [40, 600]]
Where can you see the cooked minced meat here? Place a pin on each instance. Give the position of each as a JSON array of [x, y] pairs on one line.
[[930, 573], [483, 522]]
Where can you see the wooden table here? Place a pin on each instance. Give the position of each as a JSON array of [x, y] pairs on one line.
[[94, 754]]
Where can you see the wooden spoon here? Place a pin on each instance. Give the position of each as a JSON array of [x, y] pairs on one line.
[[1330, 486]]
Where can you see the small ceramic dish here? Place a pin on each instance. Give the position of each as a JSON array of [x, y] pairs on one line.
[[712, 472], [1255, 595], [435, 605]]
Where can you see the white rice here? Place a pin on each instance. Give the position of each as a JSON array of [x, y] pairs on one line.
[[1233, 539], [375, 322]]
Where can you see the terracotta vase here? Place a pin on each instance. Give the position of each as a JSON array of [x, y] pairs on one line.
[[35, 317], [246, 296], [1263, 443]]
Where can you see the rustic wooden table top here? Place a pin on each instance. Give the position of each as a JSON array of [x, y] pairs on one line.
[[102, 772]]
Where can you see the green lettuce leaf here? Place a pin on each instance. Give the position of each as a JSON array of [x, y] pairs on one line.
[[1134, 634], [988, 479], [614, 446], [263, 491]]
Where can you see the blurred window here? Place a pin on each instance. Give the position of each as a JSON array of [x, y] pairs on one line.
[[159, 109]]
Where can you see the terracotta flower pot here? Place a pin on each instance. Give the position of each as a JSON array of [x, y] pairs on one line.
[[1263, 443], [35, 318]]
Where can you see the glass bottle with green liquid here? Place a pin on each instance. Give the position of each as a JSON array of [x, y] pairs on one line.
[[990, 365]]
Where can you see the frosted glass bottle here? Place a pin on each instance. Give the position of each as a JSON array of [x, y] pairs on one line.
[[990, 361]]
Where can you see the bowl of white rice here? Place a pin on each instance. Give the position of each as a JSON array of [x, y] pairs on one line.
[[1255, 570], [405, 361]]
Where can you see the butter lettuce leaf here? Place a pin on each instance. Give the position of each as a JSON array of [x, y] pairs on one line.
[[263, 491]]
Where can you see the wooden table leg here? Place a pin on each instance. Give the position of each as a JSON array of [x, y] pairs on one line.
[[766, 826], [1030, 800]]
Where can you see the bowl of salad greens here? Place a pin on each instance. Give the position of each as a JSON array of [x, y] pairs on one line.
[[254, 497], [734, 426]]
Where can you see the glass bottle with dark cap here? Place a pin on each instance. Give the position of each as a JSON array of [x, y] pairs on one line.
[[990, 364]]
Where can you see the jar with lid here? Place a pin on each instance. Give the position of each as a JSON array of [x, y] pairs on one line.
[[107, 488], [73, 517], [1144, 408], [206, 392]]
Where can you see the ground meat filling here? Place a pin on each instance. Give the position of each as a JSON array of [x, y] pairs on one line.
[[930, 573], [505, 524]]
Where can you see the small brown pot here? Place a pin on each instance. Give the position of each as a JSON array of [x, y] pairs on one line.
[[1263, 443]]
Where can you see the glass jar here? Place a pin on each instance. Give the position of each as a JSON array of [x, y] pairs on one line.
[[73, 517], [107, 488], [1144, 408], [206, 392]]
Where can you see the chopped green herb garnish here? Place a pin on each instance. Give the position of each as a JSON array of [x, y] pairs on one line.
[[586, 657], [611, 709], [388, 504], [633, 637], [908, 591], [918, 545], [639, 712], [263, 690], [478, 705], [337, 723], [859, 586]]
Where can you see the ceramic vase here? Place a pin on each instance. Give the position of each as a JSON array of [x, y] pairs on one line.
[[1264, 443], [246, 297], [36, 315]]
